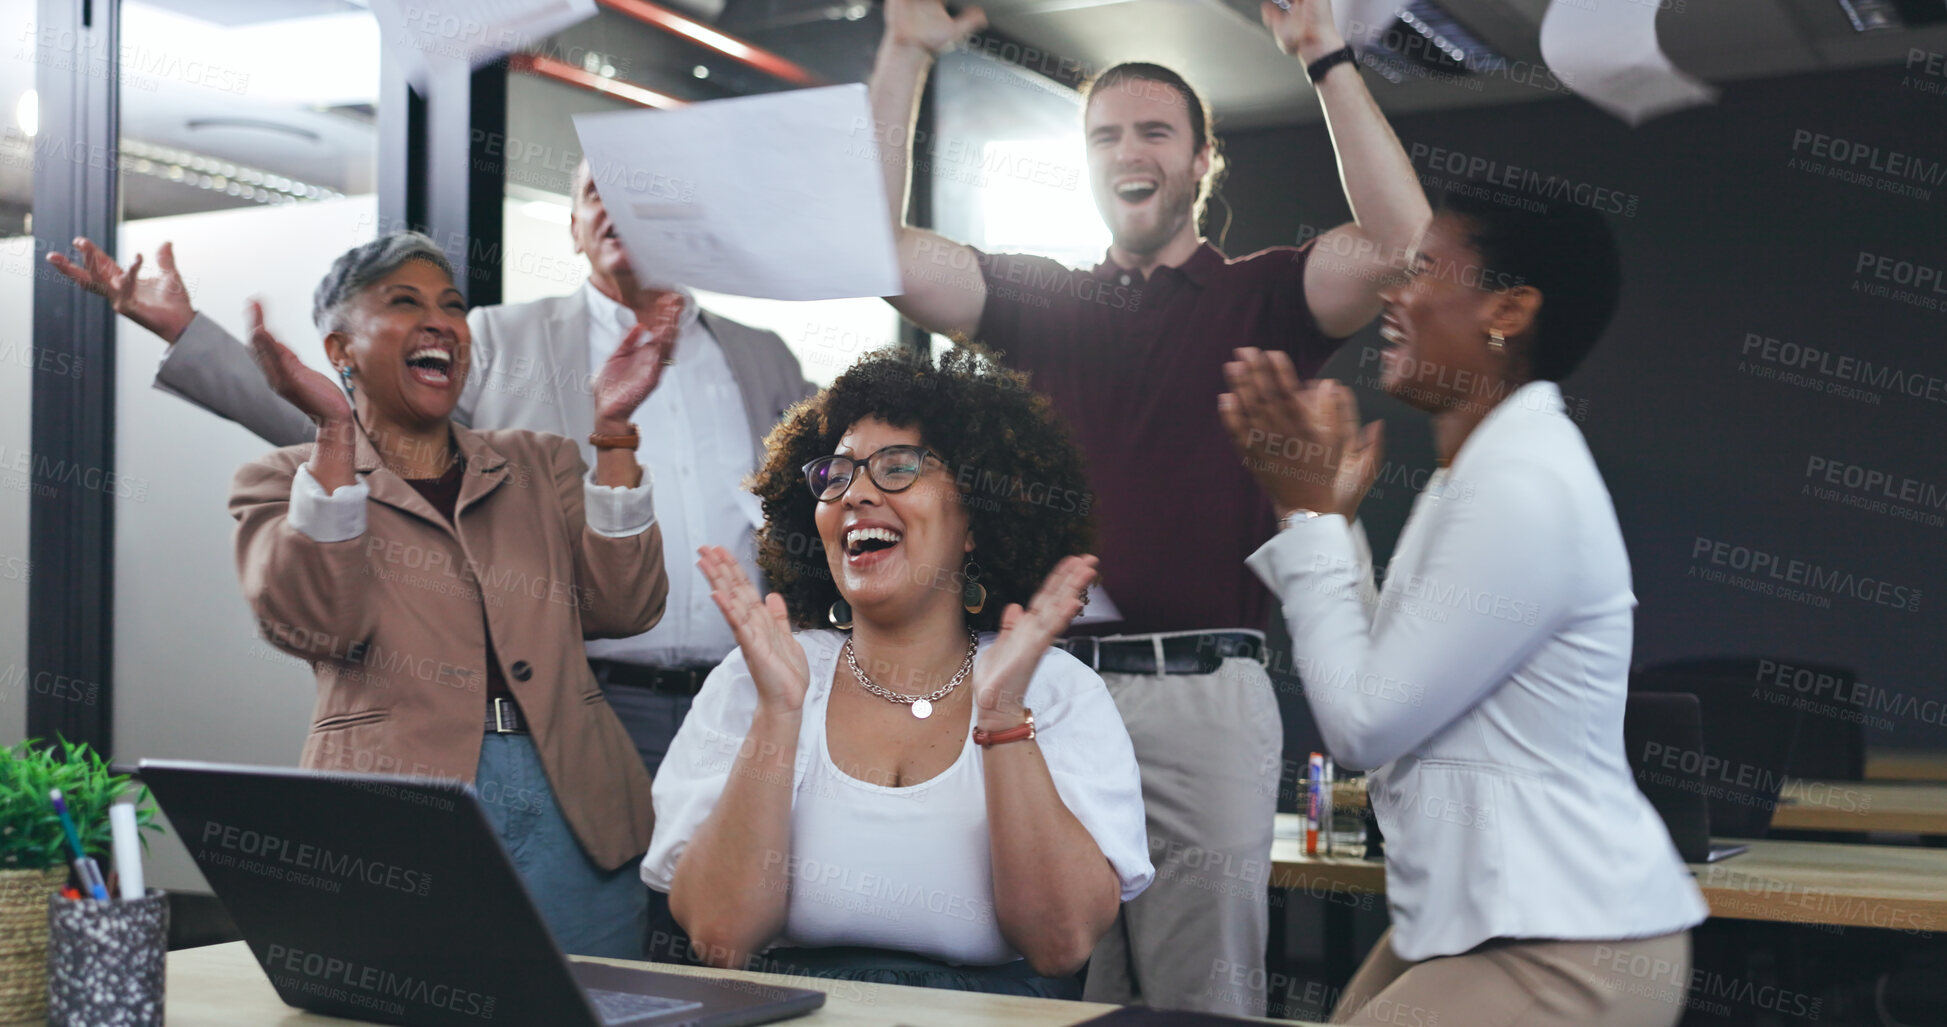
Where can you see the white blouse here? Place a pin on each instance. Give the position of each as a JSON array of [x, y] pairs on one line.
[[1485, 683], [903, 868]]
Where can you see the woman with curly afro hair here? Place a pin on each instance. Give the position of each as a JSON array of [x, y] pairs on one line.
[[896, 777]]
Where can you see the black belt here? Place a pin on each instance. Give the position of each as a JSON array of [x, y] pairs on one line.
[[1189, 653], [504, 717], [668, 680]]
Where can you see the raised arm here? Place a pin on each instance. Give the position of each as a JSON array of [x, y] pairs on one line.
[[205, 364], [944, 290], [1388, 206], [730, 889], [1379, 688], [1055, 893], [300, 554]]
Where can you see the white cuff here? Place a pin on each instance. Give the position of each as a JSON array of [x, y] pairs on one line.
[[327, 516], [615, 512]]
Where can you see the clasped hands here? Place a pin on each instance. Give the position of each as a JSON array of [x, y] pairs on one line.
[[1300, 440]]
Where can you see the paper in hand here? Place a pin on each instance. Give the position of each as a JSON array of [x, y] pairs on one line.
[[779, 196], [1609, 55]]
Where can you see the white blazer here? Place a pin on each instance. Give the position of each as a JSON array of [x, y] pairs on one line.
[[1486, 685]]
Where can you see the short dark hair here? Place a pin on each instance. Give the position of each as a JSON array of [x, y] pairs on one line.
[[357, 268], [1202, 133], [1011, 460], [1565, 251]]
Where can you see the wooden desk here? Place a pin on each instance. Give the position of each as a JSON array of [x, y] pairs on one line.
[[1915, 807], [222, 986], [1888, 886], [1901, 807], [1906, 764]]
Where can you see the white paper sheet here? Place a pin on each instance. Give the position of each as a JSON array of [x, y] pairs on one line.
[[1607, 52], [778, 196], [439, 35]]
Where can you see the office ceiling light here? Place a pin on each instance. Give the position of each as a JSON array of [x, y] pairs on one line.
[[218, 175], [28, 113], [1872, 15], [1427, 39]]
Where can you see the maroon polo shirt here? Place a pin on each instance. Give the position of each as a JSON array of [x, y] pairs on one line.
[[1135, 366]]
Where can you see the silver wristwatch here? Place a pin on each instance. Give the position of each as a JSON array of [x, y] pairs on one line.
[[1295, 517]]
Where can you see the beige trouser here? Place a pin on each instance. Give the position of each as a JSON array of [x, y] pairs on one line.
[[1211, 746], [1639, 983]]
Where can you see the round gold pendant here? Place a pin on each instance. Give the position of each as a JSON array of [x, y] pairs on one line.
[[922, 709]]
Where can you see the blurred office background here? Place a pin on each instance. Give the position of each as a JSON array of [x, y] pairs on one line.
[[253, 135]]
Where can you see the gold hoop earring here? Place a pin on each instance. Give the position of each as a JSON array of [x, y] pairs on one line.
[[973, 594], [840, 615], [1496, 341]]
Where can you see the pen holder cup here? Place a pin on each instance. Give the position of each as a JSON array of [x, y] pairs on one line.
[[105, 961]]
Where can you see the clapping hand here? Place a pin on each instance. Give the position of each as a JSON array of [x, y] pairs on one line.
[[1002, 673], [301, 385], [159, 303], [1302, 442], [636, 367], [763, 630]]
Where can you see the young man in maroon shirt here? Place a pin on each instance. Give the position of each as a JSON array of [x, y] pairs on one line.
[[1132, 355]]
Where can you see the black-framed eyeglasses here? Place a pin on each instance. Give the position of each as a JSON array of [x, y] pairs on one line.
[[892, 469]]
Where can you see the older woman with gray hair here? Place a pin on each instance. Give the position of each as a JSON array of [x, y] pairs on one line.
[[440, 580]]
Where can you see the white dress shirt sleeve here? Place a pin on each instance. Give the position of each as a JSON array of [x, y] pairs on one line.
[[1493, 583], [327, 516], [618, 512]]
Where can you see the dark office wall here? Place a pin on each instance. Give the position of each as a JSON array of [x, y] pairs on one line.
[[1734, 232]]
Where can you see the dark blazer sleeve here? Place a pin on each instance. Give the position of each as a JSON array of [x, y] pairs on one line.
[[210, 368]]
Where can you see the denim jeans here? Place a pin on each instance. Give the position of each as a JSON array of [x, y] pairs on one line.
[[592, 911]]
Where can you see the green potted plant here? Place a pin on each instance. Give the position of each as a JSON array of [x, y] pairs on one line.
[[34, 854]]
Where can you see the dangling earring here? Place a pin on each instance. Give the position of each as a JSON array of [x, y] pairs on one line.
[[840, 615], [345, 378], [1496, 341], [973, 595]]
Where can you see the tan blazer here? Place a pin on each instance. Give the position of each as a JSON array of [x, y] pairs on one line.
[[400, 621]]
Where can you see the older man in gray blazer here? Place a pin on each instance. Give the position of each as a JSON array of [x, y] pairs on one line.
[[702, 430]]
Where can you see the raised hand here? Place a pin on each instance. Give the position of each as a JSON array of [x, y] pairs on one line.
[[927, 25], [301, 385], [762, 628], [159, 303], [1306, 31], [1002, 673], [636, 367]]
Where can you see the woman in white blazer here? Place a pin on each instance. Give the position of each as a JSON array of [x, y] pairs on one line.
[[1529, 880]]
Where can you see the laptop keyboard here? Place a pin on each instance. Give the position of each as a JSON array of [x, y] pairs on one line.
[[627, 1007]]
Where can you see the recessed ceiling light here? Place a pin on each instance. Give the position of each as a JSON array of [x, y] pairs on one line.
[[700, 71]]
